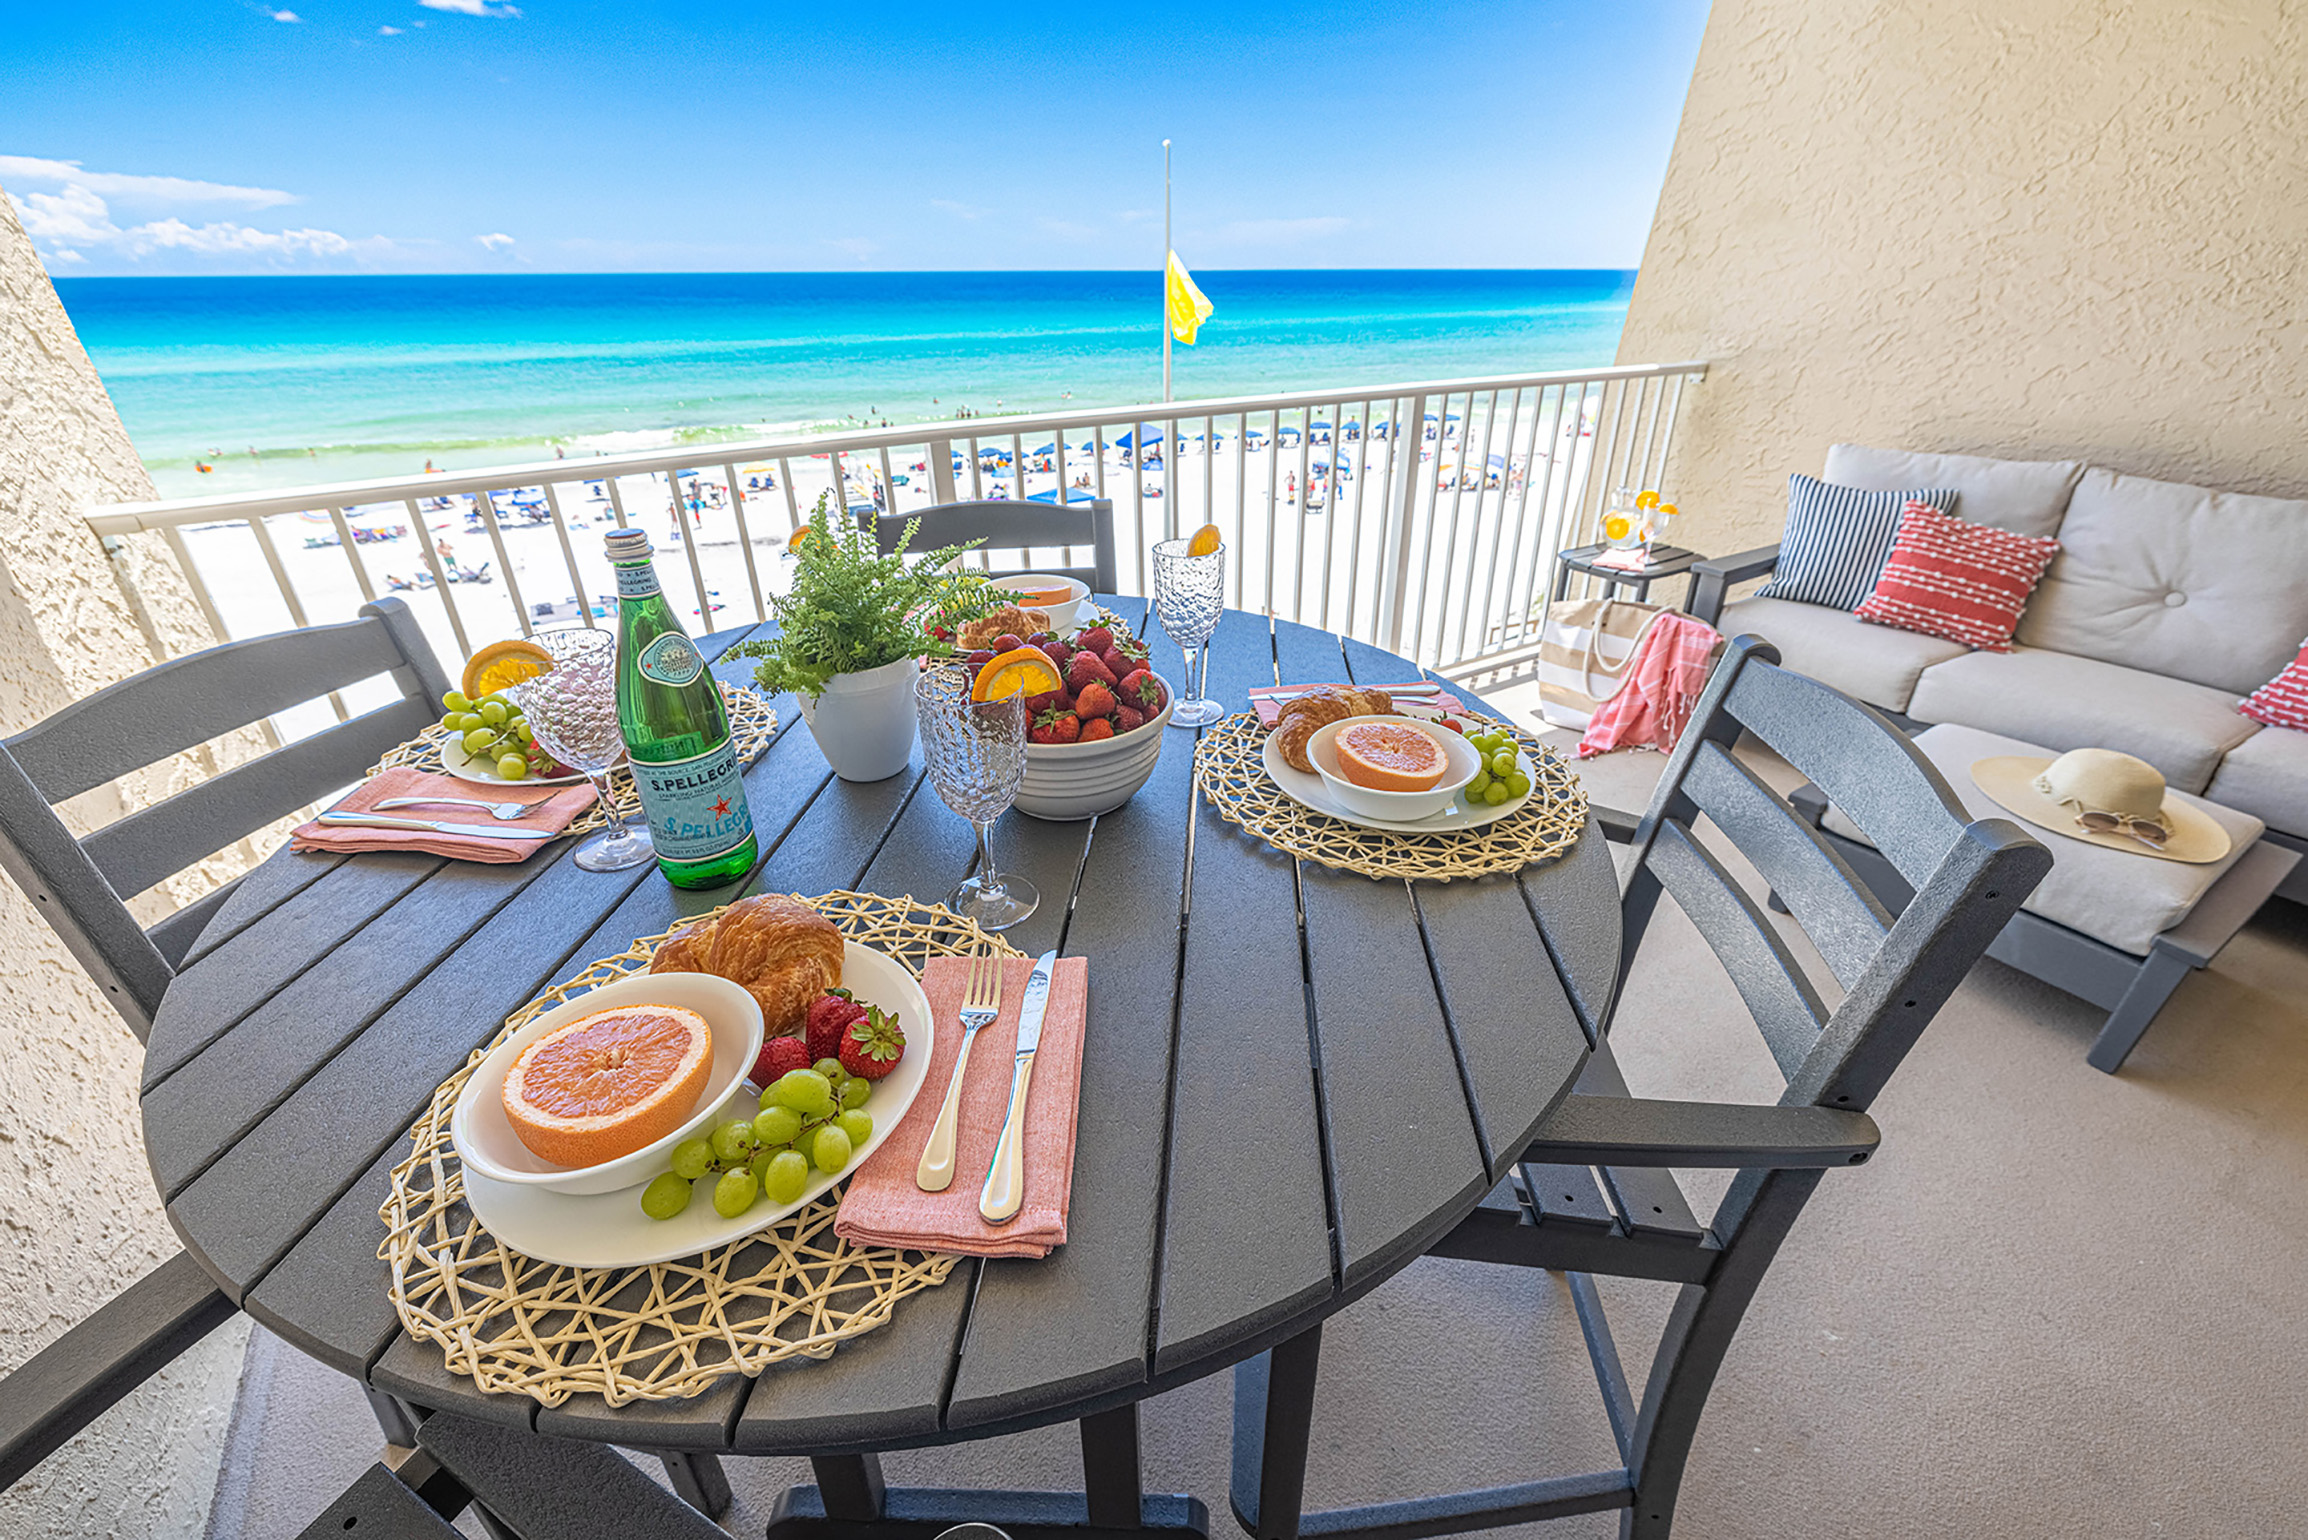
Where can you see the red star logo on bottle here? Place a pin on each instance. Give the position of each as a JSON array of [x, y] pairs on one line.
[[721, 808]]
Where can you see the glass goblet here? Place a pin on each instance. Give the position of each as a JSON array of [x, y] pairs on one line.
[[1189, 596], [977, 758], [572, 708]]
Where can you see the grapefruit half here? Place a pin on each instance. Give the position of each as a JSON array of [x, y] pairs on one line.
[[607, 1084], [1381, 756]]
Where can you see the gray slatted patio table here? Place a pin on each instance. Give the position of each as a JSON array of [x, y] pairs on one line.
[[1275, 1077]]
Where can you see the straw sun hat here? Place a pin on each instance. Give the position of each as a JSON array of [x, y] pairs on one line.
[[2103, 798]]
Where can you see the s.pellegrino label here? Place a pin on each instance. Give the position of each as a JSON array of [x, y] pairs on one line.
[[678, 740]]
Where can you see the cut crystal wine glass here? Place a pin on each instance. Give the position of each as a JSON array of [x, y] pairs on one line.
[[977, 757], [1189, 596], [572, 708]]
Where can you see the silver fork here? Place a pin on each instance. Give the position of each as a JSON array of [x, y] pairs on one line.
[[981, 1003], [505, 810]]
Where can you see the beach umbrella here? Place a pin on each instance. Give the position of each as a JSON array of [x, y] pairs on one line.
[[1151, 436], [1054, 496]]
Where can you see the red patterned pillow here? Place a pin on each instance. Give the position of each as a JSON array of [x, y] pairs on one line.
[[2283, 700], [1949, 577]]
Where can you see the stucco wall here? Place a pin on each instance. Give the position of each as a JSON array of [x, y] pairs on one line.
[[78, 1215], [2015, 227]]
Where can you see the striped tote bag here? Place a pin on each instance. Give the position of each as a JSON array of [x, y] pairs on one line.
[[1837, 539], [1585, 646]]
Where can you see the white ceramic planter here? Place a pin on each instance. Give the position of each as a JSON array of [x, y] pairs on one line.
[[864, 722]]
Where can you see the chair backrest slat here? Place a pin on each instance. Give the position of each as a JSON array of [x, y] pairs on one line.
[[187, 701], [80, 886], [1012, 526], [157, 842], [1837, 912], [1786, 1008]]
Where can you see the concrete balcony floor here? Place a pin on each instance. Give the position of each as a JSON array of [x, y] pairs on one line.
[[2058, 1302]]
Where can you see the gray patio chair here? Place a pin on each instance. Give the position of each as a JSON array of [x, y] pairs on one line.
[[1551, 1213], [1017, 526], [80, 886]]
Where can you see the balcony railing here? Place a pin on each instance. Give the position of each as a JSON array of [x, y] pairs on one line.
[[1421, 517]]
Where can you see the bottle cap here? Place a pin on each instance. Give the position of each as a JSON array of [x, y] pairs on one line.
[[627, 545]]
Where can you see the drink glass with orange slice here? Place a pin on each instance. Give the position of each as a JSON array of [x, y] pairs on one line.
[[974, 738], [1189, 596]]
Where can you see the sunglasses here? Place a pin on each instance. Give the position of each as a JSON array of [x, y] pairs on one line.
[[2146, 831]]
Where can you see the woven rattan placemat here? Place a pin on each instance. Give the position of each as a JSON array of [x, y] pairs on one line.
[[654, 1333], [1230, 766], [750, 719]]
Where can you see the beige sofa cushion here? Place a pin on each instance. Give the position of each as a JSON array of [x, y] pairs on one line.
[[2210, 587], [1877, 664], [2026, 497], [2267, 776], [2064, 702], [2114, 896]]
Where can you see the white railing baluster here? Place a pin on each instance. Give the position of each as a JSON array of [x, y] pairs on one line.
[[288, 595], [745, 541], [441, 585], [352, 550], [486, 506], [689, 529], [569, 556]]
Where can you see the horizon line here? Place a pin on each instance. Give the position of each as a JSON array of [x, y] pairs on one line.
[[780, 272]]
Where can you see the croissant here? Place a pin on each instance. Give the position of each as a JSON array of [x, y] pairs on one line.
[[1302, 716], [1009, 620], [784, 952]]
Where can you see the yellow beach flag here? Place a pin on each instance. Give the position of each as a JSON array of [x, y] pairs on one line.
[[1188, 308]]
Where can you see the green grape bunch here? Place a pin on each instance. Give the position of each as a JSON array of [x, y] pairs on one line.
[[494, 733], [1502, 777], [806, 1120]]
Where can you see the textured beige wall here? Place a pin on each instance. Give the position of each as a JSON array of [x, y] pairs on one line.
[[78, 1213], [2031, 228]]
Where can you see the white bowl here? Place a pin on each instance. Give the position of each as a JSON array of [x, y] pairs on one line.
[[485, 1140], [1067, 782], [1464, 762], [1062, 616]]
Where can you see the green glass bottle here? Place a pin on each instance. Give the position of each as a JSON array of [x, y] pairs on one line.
[[677, 735]]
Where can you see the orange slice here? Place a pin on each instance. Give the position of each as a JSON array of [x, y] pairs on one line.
[[1020, 671], [501, 665], [1646, 499], [1044, 597], [1384, 757], [608, 1083], [1668, 510], [1616, 526], [1205, 541]]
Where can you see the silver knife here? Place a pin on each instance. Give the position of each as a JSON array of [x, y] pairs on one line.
[[1005, 1190], [376, 821]]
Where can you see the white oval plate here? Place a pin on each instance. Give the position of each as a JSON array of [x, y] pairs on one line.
[[1306, 788], [465, 767], [609, 1230]]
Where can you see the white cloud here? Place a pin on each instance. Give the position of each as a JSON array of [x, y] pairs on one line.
[[496, 242], [286, 16], [470, 7], [1282, 232], [16, 170], [1066, 229], [388, 32], [958, 210], [77, 217], [856, 247]]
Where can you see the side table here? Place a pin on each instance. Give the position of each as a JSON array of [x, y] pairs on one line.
[[1666, 561]]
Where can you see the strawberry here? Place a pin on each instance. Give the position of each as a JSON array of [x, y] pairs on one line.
[[829, 1016], [1097, 728], [1042, 639], [1055, 726], [1096, 700], [1138, 688], [1058, 652], [1086, 667], [874, 1046], [779, 1055], [979, 659], [1037, 704], [1008, 641], [1127, 718], [1097, 639]]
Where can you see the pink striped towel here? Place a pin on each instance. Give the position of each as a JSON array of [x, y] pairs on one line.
[[1664, 677]]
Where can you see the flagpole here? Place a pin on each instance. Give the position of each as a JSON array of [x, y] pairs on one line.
[[1165, 271]]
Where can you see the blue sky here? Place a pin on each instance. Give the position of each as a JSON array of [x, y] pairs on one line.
[[232, 136]]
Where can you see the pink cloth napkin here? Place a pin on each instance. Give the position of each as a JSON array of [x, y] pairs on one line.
[[886, 1207], [1664, 678], [554, 808], [1268, 700]]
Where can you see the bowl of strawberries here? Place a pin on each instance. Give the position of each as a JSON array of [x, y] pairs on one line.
[[1092, 742]]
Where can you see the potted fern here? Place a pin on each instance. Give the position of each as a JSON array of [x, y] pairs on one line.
[[852, 631]]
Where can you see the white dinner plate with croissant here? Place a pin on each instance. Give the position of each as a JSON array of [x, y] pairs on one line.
[[1307, 789], [609, 1230]]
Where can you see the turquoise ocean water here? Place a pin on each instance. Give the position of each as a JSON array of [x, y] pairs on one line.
[[279, 381]]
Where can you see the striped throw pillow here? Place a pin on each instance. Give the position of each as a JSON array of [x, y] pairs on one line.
[[1966, 582], [2283, 700], [1836, 538]]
